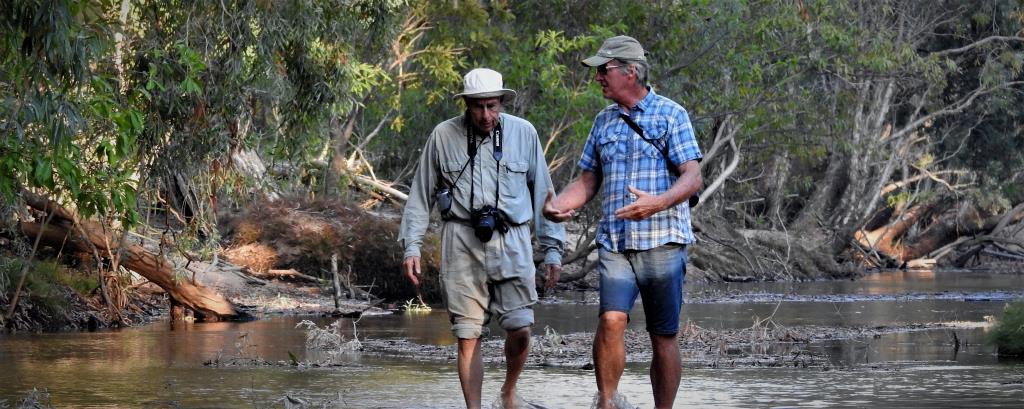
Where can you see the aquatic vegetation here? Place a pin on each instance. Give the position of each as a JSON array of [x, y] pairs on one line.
[[551, 344], [330, 338], [34, 399], [416, 305], [1008, 332]]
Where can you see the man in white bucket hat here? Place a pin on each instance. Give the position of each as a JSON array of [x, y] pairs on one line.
[[486, 174]]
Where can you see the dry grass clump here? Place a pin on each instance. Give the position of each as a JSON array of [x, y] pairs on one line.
[[247, 232], [256, 256]]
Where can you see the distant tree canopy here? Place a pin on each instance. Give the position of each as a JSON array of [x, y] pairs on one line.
[[816, 116]]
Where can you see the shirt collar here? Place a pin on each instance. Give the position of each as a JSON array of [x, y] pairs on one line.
[[646, 102], [641, 105]]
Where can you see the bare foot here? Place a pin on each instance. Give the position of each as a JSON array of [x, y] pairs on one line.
[[511, 400]]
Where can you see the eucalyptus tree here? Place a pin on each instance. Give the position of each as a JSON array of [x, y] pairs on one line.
[[815, 115], [71, 133], [897, 71], [67, 127]]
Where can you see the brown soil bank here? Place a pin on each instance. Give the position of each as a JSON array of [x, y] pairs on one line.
[[52, 297]]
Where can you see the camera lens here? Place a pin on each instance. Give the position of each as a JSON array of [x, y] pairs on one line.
[[484, 222]]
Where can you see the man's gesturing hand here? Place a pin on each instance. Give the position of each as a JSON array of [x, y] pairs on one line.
[[552, 212], [645, 205], [411, 265]]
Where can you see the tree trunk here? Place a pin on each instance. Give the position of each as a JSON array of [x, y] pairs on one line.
[[886, 239], [205, 302], [340, 135], [774, 188]]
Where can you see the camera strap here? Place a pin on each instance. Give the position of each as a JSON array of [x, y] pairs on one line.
[[472, 146], [497, 163], [461, 171]]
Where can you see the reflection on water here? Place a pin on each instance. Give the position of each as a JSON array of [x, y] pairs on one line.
[[157, 365]]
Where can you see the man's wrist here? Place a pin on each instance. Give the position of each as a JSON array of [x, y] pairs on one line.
[[553, 257]]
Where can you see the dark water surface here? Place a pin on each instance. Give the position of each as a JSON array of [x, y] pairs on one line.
[[157, 366]]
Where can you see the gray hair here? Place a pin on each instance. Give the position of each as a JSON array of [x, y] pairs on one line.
[[642, 69]]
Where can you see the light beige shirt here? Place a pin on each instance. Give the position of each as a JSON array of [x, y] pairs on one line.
[[523, 174]]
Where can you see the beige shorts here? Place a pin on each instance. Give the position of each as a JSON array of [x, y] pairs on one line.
[[484, 279]]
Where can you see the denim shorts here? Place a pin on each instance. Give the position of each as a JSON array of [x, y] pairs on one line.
[[656, 275]]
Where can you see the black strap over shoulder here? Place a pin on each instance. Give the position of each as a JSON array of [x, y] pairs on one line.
[[640, 131], [664, 153], [472, 146]]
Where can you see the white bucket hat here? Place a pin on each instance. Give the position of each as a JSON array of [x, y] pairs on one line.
[[483, 83]]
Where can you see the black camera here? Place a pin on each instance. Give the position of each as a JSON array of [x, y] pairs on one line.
[[486, 220]]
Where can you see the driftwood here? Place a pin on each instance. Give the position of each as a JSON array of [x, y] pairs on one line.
[[289, 274], [208, 304]]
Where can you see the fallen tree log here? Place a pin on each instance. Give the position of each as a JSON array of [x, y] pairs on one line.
[[950, 225], [61, 231]]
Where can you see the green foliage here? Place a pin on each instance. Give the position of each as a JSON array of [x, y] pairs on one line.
[[898, 199], [43, 283], [67, 129], [102, 124], [1008, 333]]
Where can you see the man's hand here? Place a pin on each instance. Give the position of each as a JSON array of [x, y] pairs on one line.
[[552, 212], [551, 274], [645, 205], [411, 266]]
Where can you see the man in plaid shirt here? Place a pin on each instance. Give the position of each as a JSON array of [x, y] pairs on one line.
[[645, 170]]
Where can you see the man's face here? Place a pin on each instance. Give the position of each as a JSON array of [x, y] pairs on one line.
[[614, 83], [484, 113]]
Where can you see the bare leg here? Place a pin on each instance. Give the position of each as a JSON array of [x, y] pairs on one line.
[[471, 371], [609, 355], [517, 348], [665, 369]]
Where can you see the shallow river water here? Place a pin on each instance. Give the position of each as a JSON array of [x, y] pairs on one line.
[[160, 366]]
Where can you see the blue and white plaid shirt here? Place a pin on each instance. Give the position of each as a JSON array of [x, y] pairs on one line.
[[621, 158]]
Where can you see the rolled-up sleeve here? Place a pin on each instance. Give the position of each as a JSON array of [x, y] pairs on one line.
[[416, 216]]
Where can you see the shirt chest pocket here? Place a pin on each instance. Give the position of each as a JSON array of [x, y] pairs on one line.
[[513, 178], [657, 140], [612, 148], [451, 171]]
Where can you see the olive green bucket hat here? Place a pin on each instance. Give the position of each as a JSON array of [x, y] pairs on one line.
[[618, 47]]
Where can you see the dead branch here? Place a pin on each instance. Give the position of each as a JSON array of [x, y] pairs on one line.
[[720, 179], [1007, 218], [381, 186], [290, 274], [369, 137], [953, 108], [906, 182], [975, 44]]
